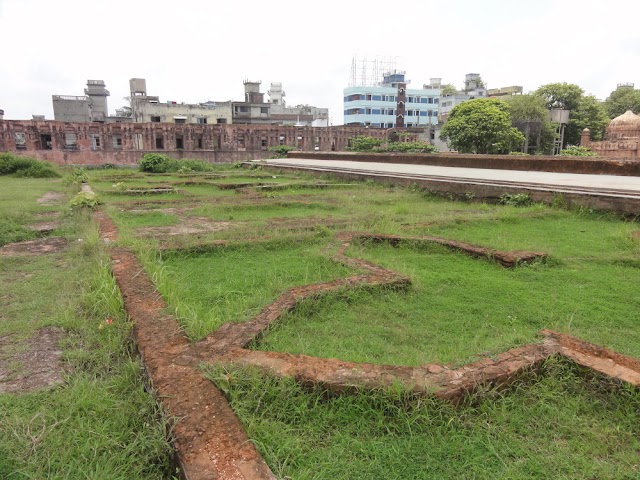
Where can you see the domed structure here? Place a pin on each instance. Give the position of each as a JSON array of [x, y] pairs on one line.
[[625, 126], [621, 140]]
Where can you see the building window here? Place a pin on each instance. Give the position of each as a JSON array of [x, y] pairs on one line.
[[281, 140], [21, 141], [368, 97], [264, 109], [240, 139], [201, 120], [95, 142], [70, 141], [199, 142], [155, 118], [179, 142], [180, 120], [45, 142], [221, 120], [159, 143], [263, 142], [117, 142]]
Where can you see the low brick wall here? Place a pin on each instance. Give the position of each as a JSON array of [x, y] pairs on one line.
[[535, 163], [131, 157]]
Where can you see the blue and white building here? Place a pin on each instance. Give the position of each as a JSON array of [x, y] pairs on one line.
[[380, 105]]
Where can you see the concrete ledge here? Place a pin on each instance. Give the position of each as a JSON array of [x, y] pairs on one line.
[[533, 163], [626, 204]]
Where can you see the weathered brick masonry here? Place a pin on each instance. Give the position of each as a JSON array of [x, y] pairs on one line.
[[124, 143]]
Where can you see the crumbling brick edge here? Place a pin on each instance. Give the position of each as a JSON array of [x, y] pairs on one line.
[[210, 441]]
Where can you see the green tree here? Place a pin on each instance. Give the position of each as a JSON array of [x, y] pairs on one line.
[[584, 110], [622, 99], [590, 113], [565, 96], [482, 125], [448, 89], [531, 117]]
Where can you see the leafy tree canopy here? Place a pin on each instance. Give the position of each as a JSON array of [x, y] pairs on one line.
[[585, 111], [623, 99], [482, 125], [448, 89], [560, 95], [532, 108], [591, 114]]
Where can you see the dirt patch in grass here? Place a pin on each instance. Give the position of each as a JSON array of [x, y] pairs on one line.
[[150, 204], [169, 210], [49, 215], [189, 226], [147, 191], [636, 234], [51, 198], [42, 246], [44, 228], [33, 364], [118, 178]]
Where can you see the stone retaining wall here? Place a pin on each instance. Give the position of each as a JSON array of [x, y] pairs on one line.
[[535, 163]]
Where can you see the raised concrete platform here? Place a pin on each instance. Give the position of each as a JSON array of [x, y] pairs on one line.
[[606, 192]]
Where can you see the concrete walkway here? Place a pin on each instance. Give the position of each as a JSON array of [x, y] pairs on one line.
[[601, 185]]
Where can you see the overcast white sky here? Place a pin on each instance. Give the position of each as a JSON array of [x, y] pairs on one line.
[[197, 50]]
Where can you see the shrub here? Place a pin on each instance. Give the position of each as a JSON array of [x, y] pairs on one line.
[[19, 166], [157, 163], [575, 151], [280, 151], [194, 166], [84, 200], [77, 176], [160, 163], [364, 144], [515, 199], [409, 147], [376, 145]]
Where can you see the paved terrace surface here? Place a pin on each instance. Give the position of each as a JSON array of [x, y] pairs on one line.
[[602, 185]]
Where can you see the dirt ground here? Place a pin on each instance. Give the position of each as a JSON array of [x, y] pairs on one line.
[[51, 198], [41, 246], [44, 228], [190, 226], [33, 364]]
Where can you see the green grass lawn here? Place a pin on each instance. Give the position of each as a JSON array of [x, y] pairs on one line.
[[554, 424], [560, 423], [234, 284], [100, 423], [459, 307]]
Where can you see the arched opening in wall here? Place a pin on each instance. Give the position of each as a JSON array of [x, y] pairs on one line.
[[45, 142], [393, 136]]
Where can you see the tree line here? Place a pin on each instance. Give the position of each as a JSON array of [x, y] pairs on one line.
[[490, 125]]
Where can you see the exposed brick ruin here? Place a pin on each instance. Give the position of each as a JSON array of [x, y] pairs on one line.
[[210, 441], [125, 143]]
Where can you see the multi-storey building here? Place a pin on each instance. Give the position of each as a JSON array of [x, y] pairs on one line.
[[474, 87], [391, 104], [252, 111], [92, 107], [148, 108]]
